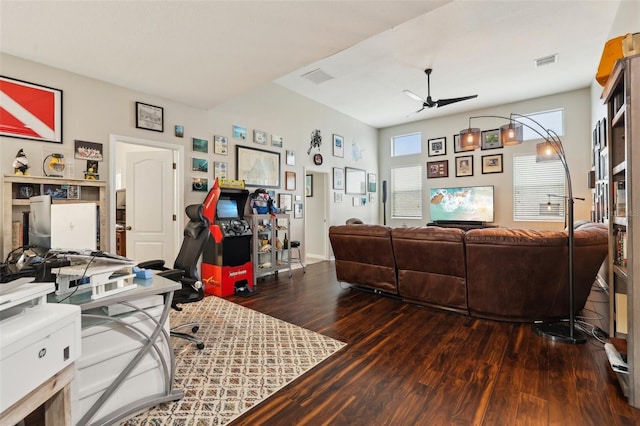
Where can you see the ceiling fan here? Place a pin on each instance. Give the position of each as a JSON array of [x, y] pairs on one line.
[[429, 102]]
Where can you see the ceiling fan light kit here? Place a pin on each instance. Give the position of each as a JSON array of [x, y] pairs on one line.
[[429, 102]]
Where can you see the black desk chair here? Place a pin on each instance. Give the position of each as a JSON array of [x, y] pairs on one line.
[[185, 269]]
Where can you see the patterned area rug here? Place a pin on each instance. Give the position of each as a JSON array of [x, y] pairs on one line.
[[248, 356]]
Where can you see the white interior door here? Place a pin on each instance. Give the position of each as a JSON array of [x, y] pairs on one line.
[[151, 220]]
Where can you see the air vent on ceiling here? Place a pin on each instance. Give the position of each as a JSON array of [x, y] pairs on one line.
[[546, 60], [317, 76]]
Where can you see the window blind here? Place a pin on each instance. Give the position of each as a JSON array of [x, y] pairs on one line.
[[538, 190], [406, 192]]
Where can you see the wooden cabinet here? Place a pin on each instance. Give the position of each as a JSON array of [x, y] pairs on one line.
[[622, 97], [270, 249], [18, 189]]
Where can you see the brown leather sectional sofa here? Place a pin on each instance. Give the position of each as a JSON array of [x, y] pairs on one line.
[[495, 273]]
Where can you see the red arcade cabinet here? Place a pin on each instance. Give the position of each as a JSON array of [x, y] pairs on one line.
[[226, 260]]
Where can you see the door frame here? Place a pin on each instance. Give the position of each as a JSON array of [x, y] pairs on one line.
[[177, 193], [326, 193]]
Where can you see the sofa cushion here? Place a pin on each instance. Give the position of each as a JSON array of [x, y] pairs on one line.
[[431, 266], [364, 256]]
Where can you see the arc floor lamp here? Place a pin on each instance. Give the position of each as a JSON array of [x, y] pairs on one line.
[[549, 149]]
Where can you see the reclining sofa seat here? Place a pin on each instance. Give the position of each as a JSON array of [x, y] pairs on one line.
[[364, 256], [522, 275], [431, 266]]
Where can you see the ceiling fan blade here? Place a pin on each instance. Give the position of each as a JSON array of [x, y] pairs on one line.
[[412, 95], [414, 112], [443, 102]]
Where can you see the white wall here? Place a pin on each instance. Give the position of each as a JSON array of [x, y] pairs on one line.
[[94, 110], [576, 141]]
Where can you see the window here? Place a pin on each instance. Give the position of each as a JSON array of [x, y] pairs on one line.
[[406, 144], [406, 192], [552, 120], [538, 190]]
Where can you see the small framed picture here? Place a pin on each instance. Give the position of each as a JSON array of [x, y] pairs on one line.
[[308, 185], [285, 202], [149, 117], [490, 139], [199, 184], [437, 146], [456, 143], [84, 150], [338, 178], [290, 181], [239, 132], [372, 181], [178, 131], [200, 145], [492, 163], [337, 197], [276, 141], [260, 137], [464, 166], [220, 145], [199, 165], [73, 192], [291, 158], [438, 169], [297, 210], [220, 169], [338, 146]]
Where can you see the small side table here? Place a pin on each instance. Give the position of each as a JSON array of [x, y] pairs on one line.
[[55, 393]]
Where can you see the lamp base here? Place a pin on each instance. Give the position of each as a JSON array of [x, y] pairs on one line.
[[559, 332]]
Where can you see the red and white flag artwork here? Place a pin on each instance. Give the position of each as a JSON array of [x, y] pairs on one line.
[[30, 111]]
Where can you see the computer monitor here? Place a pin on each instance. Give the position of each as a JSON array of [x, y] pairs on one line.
[[40, 222], [74, 226]]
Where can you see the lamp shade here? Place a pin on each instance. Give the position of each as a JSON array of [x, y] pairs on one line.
[[470, 139], [511, 134], [545, 151]]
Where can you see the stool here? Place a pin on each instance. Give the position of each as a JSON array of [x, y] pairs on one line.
[[296, 245]]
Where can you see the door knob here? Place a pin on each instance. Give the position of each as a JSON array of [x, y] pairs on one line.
[[128, 228]]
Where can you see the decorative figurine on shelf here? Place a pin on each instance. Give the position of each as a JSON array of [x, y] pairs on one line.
[[92, 170], [261, 203], [21, 164]]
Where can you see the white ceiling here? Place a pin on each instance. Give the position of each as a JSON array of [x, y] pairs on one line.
[[202, 53]]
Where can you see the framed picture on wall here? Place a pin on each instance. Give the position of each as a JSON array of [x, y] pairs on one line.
[[297, 210], [40, 103], [338, 146], [149, 117], [220, 145], [492, 163], [338, 178], [438, 169], [285, 202], [437, 146], [490, 139], [464, 166], [290, 181]]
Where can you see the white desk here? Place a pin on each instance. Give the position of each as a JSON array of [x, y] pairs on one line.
[[153, 342]]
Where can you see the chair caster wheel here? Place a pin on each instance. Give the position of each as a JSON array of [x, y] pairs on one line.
[[200, 346], [195, 329]]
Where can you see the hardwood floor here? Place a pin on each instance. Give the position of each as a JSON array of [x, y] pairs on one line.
[[410, 365]]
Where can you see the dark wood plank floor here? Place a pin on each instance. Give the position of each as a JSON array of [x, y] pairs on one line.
[[409, 365]]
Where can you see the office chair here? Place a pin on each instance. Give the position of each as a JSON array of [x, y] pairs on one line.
[[185, 269]]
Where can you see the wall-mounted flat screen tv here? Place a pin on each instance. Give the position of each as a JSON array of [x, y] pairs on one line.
[[461, 204]]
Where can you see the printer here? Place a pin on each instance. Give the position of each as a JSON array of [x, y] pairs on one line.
[[37, 339]]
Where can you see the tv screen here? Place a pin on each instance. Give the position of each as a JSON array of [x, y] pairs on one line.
[[461, 204], [227, 209]]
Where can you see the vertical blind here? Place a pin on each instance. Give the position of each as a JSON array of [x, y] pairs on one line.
[[406, 192], [538, 190]]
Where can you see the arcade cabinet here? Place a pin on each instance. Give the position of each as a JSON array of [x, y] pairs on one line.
[[226, 259]]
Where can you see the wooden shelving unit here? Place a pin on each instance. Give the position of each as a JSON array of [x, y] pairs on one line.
[[16, 200], [622, 97]]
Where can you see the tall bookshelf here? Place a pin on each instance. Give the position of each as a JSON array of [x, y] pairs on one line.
[[622, 97], [17, 190]]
